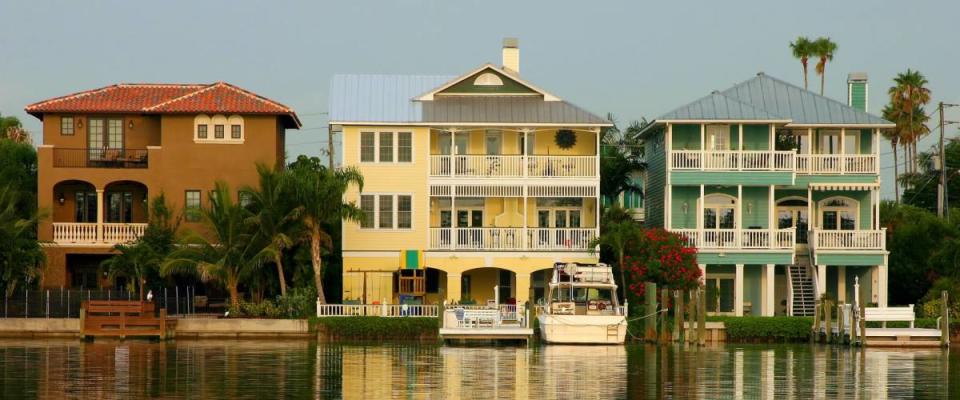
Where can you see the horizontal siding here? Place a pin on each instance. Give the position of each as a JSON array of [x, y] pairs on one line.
[[785, 257], [656, 181], [849, 259], [746, 178]]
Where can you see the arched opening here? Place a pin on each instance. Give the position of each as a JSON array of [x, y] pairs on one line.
[[125, 202], [488, 286], [539, 281], [719, 219], [420, 286], [838, 213], [792, 213]]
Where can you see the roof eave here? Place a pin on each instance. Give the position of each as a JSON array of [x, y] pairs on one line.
[[472, 124]]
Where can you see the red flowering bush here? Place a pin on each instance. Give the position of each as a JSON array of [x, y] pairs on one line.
[[663, 258]]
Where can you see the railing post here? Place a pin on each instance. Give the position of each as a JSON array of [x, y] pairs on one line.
[[383, 308], [48, 303]]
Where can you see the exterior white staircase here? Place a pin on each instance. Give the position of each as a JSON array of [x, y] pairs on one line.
[[803, 290]]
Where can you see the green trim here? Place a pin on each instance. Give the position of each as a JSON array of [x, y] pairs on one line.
[[510, 85], [713, 257], [803, 181], [858, 259], [750, 178]]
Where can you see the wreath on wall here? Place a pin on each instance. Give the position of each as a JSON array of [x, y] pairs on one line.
[[565, 138]]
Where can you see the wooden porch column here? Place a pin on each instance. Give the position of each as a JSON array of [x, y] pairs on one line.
[[738, 291], [99, 215], [769, 287], [739, 147], [737, 217], [771, 219], [882, 283], [843, 151], [698, 208], [453, 287], [453, 217]]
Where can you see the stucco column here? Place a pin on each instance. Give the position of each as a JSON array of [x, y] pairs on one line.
[[882, 285], [99, 215], [738, 292], [769, 287], [453, 287], [522, 289], [821, 280]]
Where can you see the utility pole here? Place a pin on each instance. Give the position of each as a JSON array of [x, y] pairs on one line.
[[943, 202]]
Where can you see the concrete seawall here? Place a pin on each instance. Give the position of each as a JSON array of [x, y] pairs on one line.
[[187, 328]]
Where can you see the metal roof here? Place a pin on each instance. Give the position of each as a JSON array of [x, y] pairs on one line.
[[391, 99], [767, 98], [507, 109], [380, 98], [801, 106], [716, 106]]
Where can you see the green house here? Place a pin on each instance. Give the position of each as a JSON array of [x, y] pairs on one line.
[[779, 189]]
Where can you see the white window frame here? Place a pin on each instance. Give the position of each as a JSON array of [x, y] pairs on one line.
[[395, 133], [711, 131], [219, 119], [853, 205], [395, 211]]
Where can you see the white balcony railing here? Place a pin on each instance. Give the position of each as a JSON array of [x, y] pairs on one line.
[[377, 310], [821, 239], [511, 238], [495, 166], [733, 160], [837, 164], [87, 232], [782, 239]]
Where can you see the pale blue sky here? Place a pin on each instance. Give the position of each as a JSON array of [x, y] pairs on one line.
[[635, 59]]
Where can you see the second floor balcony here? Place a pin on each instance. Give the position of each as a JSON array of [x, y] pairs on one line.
[[511, 239], [513, 166], [92, 233], [100, 158], [824, 239], [733, 160], [740, 239]]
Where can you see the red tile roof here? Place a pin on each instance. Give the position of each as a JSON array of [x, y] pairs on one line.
[[149, 98]]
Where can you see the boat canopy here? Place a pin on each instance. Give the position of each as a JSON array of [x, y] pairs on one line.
[[573, 273]]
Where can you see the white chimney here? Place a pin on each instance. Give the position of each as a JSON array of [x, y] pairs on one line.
[[511, 55]]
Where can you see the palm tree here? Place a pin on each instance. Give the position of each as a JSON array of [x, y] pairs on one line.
[[320, 192], [891, 113], [275, 216], [823, 48], [226, 254], [616, 175], [20, 253], [910, 94], [134, 261], [802, 49], [617, 234]]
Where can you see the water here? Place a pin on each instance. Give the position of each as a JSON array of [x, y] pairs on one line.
[[56, 369]]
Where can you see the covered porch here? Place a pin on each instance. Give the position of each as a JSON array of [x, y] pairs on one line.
[[108, 215]]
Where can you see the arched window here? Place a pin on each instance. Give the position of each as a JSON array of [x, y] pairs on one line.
[[719, 212], [488, 79], [235, 127], [838, 213], [201, 127], [792, 213]]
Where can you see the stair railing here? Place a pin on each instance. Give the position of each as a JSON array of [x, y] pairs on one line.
[[790, 289]]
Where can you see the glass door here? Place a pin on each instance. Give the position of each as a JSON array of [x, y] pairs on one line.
[[105, 139], [794, 217], [470, 238], [720, 295]]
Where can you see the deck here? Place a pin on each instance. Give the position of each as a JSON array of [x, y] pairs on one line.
[[484, 323]]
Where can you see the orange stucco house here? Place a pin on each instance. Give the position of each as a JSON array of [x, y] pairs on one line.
[[107, 151]]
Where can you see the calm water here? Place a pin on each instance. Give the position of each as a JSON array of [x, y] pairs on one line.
[[55, 369]]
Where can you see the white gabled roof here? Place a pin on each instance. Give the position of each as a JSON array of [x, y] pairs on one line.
[[430, 95]]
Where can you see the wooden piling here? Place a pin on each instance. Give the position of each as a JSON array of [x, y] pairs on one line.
[[678, 316], [650, 317], [815, 336], [664, 326], [863, 325], [945, 319], [827, 311], [692, 317], [701, 317]]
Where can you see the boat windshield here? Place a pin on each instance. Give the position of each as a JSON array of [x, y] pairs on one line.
[[582, 294]]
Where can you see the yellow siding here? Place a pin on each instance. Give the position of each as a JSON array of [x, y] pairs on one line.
[[543, 140]]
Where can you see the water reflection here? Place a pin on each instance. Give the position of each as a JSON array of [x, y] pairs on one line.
[[301, 369]]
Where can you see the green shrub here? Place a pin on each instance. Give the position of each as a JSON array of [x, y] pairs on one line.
[[299, 302], [376, 328], [780, 329]]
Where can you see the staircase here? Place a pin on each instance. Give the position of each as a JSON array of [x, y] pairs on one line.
[[804, 293]]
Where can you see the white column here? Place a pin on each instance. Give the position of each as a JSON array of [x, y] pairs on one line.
[[702, 139], [453, 216], [772, 217], [668, 149], [738, 291], [876, 209], [668, 206], [738, 216], [882, 284], [527, 243], [99, 215], [843, 151], [526, 157], [739, 147], [453, 151], [841, 284], [821, 280], [769, 286], [811, 219], [698, 208]]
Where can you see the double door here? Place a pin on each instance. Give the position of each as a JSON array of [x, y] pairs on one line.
[[794, 217], [553, 223], [465, 238], [104, 139]]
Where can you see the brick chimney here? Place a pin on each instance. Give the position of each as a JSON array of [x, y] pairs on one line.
[[511, 55], [857, 91]]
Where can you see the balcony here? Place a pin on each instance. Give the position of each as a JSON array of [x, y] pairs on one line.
[[511, 239], [515, 166], [739, 239], [732, 160], [837, 164], [93, 234], [848, 240], [99, 158]]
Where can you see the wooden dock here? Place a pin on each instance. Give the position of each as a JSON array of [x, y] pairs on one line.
[[479, 323], [122, 319]]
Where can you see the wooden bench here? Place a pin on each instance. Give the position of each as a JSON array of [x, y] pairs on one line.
[[480, 317], [890, 314]]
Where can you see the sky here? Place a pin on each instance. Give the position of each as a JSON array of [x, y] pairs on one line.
[[631, 58]]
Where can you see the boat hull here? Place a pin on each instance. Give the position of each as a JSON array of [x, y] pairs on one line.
[[583, 329]]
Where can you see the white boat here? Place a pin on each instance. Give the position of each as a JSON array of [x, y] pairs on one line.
[[582, 306]]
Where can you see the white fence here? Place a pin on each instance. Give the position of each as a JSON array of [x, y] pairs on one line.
[[515, 166], [848, 240], [511, 238], [837, 164], [87, 232], [733, 160], [376, 310], [739, 238]]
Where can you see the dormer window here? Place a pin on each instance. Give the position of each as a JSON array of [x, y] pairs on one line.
[[219, 124], [488, 79]]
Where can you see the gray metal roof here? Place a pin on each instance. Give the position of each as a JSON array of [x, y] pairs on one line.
[[389, 99], [380, 98], [797, 104], [767, 98], [496, 109], [716, 106]]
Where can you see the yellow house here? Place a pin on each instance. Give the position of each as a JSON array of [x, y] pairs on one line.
[[474, 185]]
